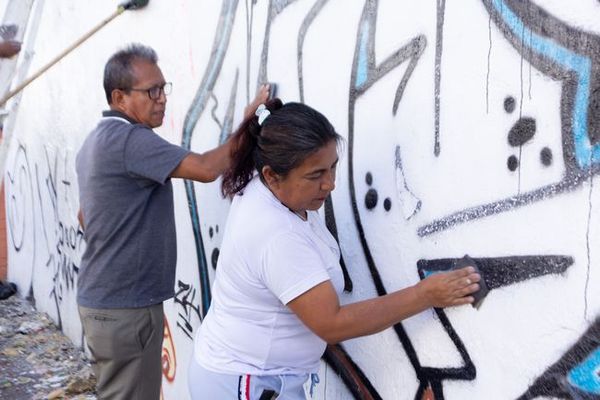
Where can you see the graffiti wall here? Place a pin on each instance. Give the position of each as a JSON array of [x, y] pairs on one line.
[[471, 127]]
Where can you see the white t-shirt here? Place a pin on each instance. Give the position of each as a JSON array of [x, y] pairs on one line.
[[269, 256]]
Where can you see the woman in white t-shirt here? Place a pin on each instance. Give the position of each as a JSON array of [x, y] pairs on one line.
[[275, 299]]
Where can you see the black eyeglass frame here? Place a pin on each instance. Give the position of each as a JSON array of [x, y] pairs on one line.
[[155, 91]]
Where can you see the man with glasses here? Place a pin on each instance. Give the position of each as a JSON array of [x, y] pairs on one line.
[[126, 209]]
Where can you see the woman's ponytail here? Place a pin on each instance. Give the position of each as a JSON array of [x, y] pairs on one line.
[[245, 155]]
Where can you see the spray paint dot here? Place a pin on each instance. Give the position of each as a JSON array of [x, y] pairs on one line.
[[371, 199], [211, 232], [387, 204], [522, 132], [214, 257], [369, 179], [509, 104], [512, 163], [546, 156]]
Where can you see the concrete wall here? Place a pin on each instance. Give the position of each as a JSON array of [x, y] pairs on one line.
[[472, 127]]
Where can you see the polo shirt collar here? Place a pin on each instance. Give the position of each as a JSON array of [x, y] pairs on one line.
[[118, 114]]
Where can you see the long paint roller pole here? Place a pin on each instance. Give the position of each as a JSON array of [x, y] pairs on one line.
[[129, 5]]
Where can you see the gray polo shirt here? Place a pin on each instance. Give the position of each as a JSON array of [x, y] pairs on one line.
[[126, 198]]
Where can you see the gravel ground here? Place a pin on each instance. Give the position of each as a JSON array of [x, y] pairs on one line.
[[36, 360]]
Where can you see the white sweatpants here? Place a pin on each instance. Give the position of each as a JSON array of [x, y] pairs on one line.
[[204, 384]]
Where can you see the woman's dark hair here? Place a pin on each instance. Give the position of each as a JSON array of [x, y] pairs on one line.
[[290, 134]]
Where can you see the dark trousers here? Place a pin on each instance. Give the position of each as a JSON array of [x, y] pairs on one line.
[[126, 346]]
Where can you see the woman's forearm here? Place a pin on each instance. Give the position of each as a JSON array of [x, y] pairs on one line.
[[374, 315]]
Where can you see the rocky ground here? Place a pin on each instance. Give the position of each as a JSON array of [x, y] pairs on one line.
[[36, 360]]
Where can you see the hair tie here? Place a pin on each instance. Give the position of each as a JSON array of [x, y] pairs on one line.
[[262, 113]]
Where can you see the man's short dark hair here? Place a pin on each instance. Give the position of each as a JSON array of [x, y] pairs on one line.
[[118, 73]]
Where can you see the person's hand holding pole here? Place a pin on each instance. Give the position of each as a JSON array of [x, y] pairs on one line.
[[9, 48]]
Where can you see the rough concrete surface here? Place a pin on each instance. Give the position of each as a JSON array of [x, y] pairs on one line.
[[36, 360]]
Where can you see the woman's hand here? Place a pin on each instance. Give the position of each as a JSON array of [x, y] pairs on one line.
[[262, 95], [452, 288]]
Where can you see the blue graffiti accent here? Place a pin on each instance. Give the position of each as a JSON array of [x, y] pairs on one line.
[[362, 62], [585, 153], [427, 274], [586, 375], [198, 106]]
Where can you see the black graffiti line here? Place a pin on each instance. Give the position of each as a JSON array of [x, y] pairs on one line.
[[213, 111], [276, 7], [184, 330], [187, 304], [436, 375], [54, 293], [51, 181], [42, 215], [50, 261], [553, 382], [227, 123], [504, 271], [66, 183], [22, 170], [183, 300], [496, 207], [332, 227], [65, 270], [70, 235], [306, 24], [227, 127], [439, 41]]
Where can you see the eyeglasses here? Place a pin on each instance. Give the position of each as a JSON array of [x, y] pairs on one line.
[[155, 91]]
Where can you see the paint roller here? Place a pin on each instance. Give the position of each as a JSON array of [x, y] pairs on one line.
[[128, 5]]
